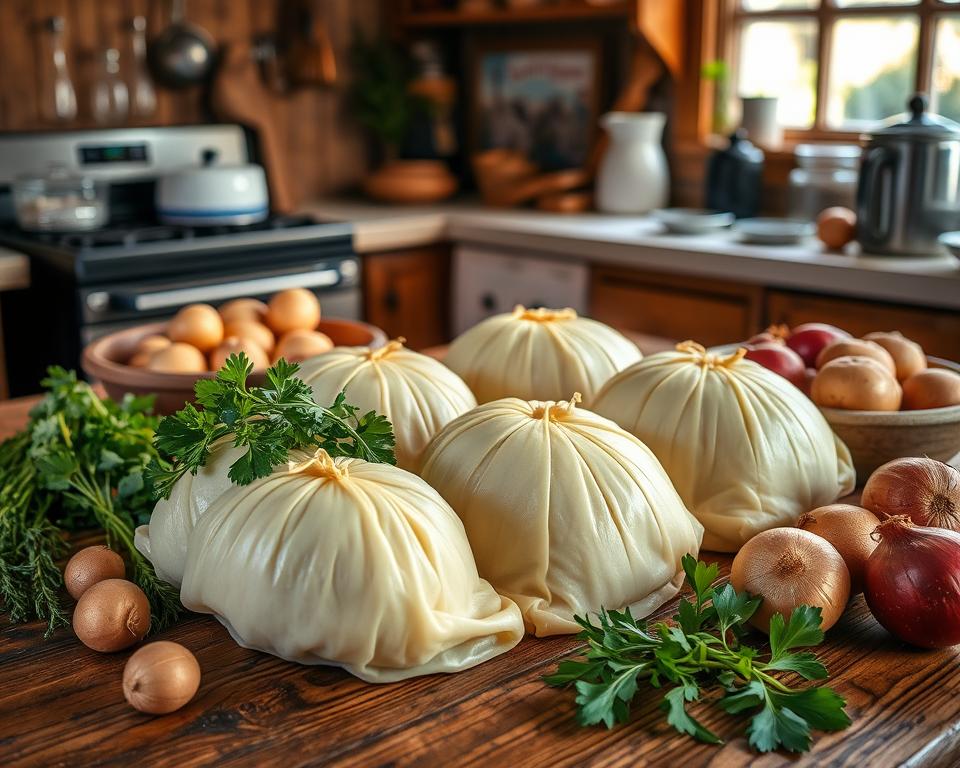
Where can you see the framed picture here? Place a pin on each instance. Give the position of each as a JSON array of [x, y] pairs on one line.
[[538, 97]]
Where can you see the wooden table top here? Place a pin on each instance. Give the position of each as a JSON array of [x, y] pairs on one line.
[[61, 704]]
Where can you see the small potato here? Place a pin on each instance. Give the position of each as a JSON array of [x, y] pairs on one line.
[[858, 348], [178, 358], [234, 345], [258, 333], [933, 388], [908, 356], [293, 310], [198, 325], [253, 310], [856, 384]]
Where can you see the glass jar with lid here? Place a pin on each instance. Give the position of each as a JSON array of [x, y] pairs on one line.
[[826, 175], [60, 201]]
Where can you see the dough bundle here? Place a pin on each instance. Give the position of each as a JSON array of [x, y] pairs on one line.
[[745, 449], [539, 354], [349, 563], [417, 393], [566, 512]]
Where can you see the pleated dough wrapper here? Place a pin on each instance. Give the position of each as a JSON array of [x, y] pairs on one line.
[[539, 354], [417, 393], [566, 512], [349, 563], [164, 540], [745, 448]]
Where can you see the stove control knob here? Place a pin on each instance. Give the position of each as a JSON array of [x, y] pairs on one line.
[[98, 301]]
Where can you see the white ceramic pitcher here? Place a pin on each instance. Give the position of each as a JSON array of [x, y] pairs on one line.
[[633, 176]]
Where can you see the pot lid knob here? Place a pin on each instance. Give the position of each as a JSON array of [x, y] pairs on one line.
[[917, 106]]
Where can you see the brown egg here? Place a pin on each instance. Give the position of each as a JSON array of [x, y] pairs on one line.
[[234, 345], [140, 360], [933, 388], [836, 227], [243, 309], [160, 677], [258, 333], [296, 309], [112, 615], [152, 343], [856, 384], [197, 324], [89, 566], [297, 346], [908, 356], [857, 348], [178, 358]]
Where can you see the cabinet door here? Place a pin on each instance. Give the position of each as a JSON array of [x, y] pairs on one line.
[[710, 312], [406, 294], [937, 331]]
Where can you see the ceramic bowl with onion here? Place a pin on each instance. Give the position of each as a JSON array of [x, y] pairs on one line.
[[106, 361]]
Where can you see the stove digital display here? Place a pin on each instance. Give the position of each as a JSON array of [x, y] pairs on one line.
[[113, 153]]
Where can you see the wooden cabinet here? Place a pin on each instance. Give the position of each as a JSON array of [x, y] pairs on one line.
[[675, 307], [406, 293], [937, 331]]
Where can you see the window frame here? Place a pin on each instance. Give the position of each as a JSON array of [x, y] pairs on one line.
[[929, 12]]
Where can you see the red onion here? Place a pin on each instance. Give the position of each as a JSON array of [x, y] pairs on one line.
[[913, 582], [777, 357], [926, 490], [808, 339]]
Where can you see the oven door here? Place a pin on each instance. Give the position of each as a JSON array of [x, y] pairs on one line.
[[105, 309]]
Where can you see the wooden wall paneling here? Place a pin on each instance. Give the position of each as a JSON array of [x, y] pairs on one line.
[[18, 39]]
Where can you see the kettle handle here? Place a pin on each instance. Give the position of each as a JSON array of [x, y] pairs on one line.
[[881, 216]]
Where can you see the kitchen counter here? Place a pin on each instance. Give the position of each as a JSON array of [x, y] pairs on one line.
[[638, 241], [62, 704]]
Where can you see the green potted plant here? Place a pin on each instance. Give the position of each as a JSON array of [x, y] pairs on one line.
[[382, 101]]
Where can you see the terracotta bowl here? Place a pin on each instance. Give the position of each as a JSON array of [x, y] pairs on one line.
[[876, 437], [105, 360]]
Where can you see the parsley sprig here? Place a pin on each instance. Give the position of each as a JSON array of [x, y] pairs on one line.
[[702, 650], [270, 420], [79, 465]]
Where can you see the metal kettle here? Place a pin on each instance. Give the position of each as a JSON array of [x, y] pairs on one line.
[[909, 187]]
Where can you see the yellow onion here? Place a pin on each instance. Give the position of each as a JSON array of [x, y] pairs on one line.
[[160, 677], [89, 566], [849, 529], [789, 567], [112, 615]]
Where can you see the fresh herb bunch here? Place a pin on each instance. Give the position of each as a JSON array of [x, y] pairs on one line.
[[702, 650], [79, 464], [270, 421]]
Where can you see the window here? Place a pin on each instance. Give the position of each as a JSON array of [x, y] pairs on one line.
[[841, 65]]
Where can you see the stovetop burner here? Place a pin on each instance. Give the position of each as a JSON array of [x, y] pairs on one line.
[[132, 235]]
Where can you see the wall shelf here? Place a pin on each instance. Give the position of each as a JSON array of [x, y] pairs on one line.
[[568, 11]]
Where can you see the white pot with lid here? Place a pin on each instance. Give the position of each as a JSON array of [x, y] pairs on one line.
[[211, 194]]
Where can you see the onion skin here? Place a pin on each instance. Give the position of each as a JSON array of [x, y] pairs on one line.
[[848, 529], [160, 678], [789, 567], [89, 566], [779, 358], [913, 583], [112, 615], [925, 490]]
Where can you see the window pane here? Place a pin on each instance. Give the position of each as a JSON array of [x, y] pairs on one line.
[[779, 58], [946, 69], [872, 66], [779, 5], [855, 3]]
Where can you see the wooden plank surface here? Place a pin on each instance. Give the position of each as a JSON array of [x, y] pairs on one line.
[[61, 704]]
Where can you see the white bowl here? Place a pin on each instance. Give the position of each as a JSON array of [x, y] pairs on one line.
[[692, 221]]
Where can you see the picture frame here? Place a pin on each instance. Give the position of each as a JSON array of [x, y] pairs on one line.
[[540, 97]]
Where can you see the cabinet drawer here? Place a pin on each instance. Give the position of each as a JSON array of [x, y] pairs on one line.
[[710, 312], [937, 331]]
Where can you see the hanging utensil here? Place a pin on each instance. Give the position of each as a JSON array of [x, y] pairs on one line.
[[143, 94], [183, 54], [310, 57], [61, 103], [109, 98]]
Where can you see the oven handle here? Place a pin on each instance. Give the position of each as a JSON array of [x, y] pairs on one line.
[[323, 278]]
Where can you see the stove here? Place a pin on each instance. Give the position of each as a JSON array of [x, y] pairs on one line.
[[137, 270]]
